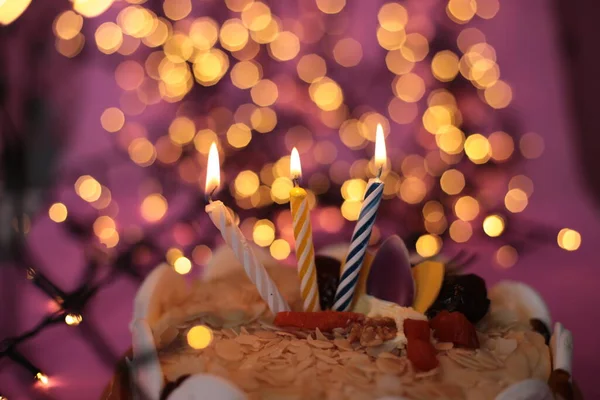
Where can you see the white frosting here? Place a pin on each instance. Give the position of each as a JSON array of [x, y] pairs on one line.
[[205, 386], [561, 346], [374, 307], [528, 389], [146, 365]]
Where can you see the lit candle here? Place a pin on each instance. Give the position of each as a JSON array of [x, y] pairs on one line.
[[223, 220], [305, 252], [362, 231]]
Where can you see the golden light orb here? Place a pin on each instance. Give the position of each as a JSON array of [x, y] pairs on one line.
[[445, 65], [460, 231], [493, 225], [246, 183], [516, 200], [331, 6], [477, 148], [88, 188], [154, 207], [326, 94], [506, 256], [263, 232], [466, 208], [182, 265], [428, 245], [285, 47], [409, 87], [569, 239], [199, 337], [452, 181], [91, 8], [58, 212], [280, 249], [392, 17]]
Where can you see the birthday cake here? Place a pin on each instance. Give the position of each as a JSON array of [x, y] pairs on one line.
[[438, 335]]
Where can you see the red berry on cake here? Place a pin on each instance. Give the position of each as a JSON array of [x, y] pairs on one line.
[[422, 354], [416, 329], [454, 327]]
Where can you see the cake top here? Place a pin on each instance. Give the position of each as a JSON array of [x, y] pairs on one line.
[[508, 350]]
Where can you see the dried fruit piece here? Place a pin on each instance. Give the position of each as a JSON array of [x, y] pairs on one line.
[[454, 327], [416, 329], [466, 294], [422, 354], [428, 276], [326, 321]]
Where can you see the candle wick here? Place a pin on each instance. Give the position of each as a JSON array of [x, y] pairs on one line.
[[296, 181], [209, 195], [380, 171]]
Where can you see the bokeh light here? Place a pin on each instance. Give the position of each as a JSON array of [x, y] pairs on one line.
[[409, 87], [199, 337], [177, 9], [502, 146], [285, 47], [466, 208], [392, 17], [280, 249], [246, 74], [498, 95], [204, 33], [280, 190], [88, 188], [428, 245], [460, 231], [112, 119], [182, 265], [478, 149], [452, 181], [263, 233], [506, 256], [91, 8], [264, 93], [246, 183], [531, 145], [569, 239], [445, 65], [461, 11], [67, 25], [109, 37], [331, 6], [58, 212], [516, 200], [182, 130], [493, 225], [154, 207], [326, 94], [347, 52]]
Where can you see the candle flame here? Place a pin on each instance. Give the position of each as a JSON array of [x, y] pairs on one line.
[[42, 378], [380, 153], [295, 166], [213, 171]]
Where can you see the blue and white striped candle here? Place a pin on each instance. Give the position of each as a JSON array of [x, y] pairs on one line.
[[362, 231]]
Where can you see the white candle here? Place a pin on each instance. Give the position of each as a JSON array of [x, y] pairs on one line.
[[220, 216]]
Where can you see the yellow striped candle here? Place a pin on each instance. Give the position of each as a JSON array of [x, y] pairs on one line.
[[305, 252]]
